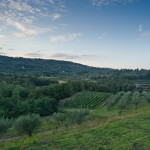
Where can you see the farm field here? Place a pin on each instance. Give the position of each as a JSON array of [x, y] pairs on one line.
[[89, 100], [129, 131], [101, 129]]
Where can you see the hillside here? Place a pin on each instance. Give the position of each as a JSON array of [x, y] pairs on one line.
[[101, 130], [29, 66]]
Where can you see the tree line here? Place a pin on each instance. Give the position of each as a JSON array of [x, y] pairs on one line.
[[40, 95]]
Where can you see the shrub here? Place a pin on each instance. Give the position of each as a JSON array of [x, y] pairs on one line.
[[78, 116], [5, 124], [27, 124]]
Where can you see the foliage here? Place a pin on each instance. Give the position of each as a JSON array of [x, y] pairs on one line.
[[59, 117], [146, 95], [113, 99], [129, 132], [5, 124], [78, 116], [44, 67], [86, 100], [27, 124], [123, 102], [136, 98]]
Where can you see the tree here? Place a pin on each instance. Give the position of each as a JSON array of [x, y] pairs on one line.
[[136, 98], [46, 106], [78, 116], [123, 102], [111, 101], [59, 118], [24, 93], [5, 124], [27, 124], [146, 95]]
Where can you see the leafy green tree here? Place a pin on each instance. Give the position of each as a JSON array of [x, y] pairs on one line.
[[16, 92], [113, 99], [146, 95], [123, 102], [11, 107], [136, 98], [45, 106], [27, 124], [24, 93], [5, 124], [78, 116], [59, 117]]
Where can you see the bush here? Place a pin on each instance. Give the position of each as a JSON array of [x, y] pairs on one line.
[[27, 124], [78, 116], [59, 117], [5, 124]]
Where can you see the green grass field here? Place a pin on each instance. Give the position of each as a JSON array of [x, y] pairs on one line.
[[101, 130]]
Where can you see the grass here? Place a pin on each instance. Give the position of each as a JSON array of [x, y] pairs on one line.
[[126, 132], [102, 130]]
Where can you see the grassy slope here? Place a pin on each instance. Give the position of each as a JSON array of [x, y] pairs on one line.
[[104, 130]]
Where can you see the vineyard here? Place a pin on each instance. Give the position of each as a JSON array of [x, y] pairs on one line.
[[120, 100], [87, 100]]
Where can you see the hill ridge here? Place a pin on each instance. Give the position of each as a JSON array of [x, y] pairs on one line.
[[48, 67]]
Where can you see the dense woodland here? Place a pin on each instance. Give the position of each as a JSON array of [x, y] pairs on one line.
[[21, 95]]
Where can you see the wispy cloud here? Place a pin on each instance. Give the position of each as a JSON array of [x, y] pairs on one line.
[[146, 34], [55, 16], [2, 39], [23, 15], [64, 38], [22, 6], [2, 53], [24, 30], [140, 28], [63, 56], [11, 49], [35, 54], [143, 33], [109, 2]]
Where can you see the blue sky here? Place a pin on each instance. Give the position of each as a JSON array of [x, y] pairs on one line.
[[101, 33]]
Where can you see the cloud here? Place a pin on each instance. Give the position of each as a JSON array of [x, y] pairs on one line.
[[64, 38], [1, 48], [23, 15], [22, 6], [26, 30], [63, 56], [55, 16], [2, 39], [2, 28], [2, 53], [35, 54], [140, 28], [11, 49], [109, 2], [146, 34]]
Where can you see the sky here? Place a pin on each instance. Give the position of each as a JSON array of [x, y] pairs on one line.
[[101, 33]]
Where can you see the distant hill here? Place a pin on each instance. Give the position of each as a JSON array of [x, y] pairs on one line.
[[27, 66]]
